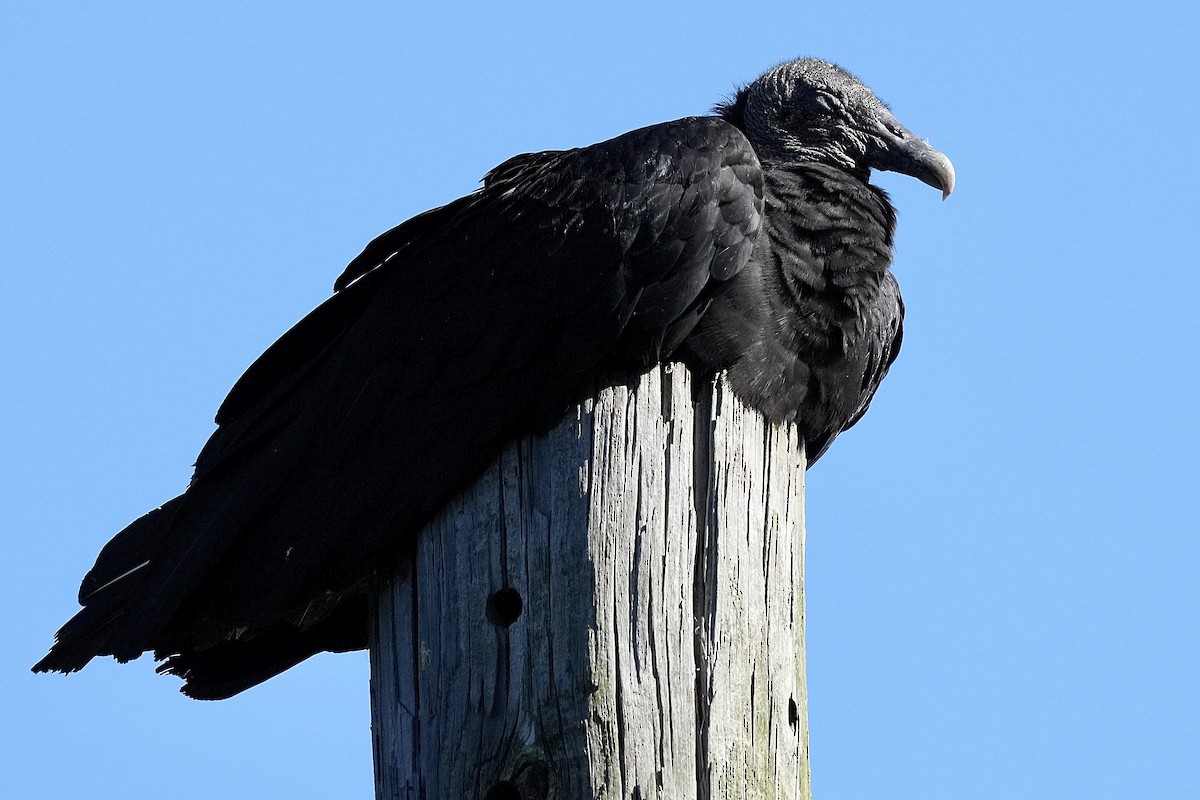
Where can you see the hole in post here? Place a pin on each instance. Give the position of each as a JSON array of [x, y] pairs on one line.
[[504, 790], [504, 607], [533, 780], [793, 714]]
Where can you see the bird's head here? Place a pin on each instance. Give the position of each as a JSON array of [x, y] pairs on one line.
[[811, 110]]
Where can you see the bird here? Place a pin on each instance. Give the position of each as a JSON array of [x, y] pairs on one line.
[[749, 242]]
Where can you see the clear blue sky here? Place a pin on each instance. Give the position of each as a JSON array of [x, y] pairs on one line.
[[1003, 557]]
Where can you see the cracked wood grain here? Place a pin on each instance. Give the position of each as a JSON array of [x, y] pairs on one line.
[[656, 543]]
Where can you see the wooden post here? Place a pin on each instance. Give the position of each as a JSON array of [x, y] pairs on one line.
[[615, 610]]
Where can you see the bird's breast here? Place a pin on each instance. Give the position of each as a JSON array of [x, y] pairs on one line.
[[807, 330]]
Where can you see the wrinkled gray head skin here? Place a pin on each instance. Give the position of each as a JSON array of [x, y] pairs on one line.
[[811, 110]]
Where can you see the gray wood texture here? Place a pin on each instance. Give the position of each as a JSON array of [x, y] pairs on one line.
[[656, 542]]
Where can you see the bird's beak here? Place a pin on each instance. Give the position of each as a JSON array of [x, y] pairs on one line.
[[896, 149]]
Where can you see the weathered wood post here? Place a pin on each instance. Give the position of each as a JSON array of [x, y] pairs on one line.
[[615, 610]]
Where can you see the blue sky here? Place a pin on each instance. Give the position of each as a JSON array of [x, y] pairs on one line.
[[1002, 557]]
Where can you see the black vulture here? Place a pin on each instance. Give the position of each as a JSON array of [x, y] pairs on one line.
[[749, 242]]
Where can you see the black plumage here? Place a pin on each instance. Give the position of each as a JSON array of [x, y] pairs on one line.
[[749, 242]]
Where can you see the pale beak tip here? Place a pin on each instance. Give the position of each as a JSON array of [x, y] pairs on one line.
[[947, 176]]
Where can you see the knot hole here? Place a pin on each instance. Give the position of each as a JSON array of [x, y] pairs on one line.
[[504, 790], [531, 782], [504, 606]]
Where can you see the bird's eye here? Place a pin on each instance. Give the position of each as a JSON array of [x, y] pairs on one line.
[[826, 102]]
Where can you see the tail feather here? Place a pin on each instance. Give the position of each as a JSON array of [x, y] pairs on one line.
[[224, 670], [83, 637], [106, 593]]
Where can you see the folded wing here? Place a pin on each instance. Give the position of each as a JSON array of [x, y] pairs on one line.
[[451, 334]]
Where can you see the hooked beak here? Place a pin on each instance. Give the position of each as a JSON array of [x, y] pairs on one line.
[[896, 149]]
